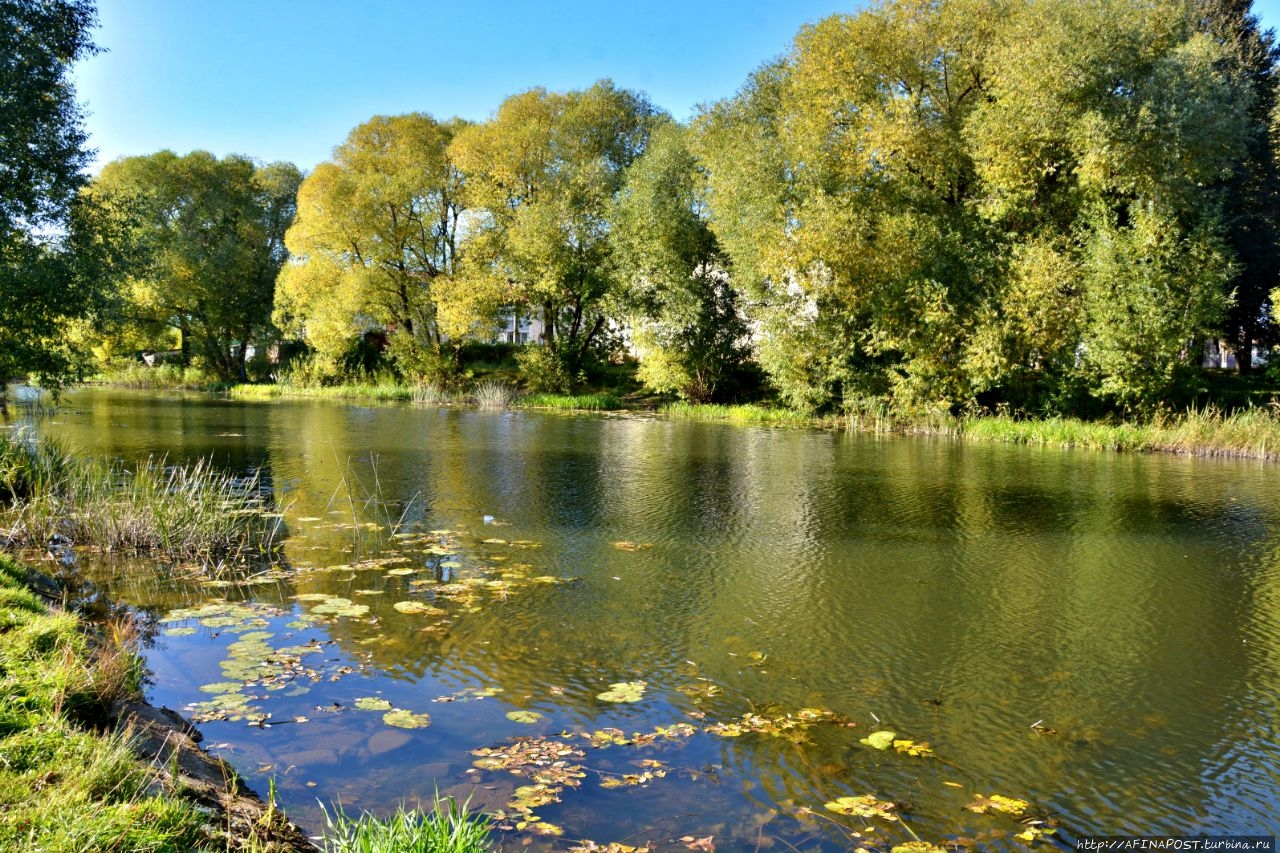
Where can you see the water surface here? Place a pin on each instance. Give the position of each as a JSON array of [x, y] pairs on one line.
[[953, 594]]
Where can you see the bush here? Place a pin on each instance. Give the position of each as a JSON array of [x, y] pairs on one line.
[[543, 370]]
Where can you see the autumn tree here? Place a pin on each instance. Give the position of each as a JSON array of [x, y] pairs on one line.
[[376, 241], [542, 175], [207, 240], [683, 312]]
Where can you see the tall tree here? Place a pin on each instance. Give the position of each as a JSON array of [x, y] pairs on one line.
[[42, 155], [543, 174], [207, 238], [376, 236], [683, 312], [1250, 56]]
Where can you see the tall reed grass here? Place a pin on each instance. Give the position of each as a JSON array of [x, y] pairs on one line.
[[185, 512]]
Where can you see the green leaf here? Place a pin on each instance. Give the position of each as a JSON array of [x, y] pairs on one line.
[[624, 691], [403, 719], [879, 740], [372, 703], [527, 717]]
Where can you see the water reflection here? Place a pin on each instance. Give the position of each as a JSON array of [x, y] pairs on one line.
[[952, 594]]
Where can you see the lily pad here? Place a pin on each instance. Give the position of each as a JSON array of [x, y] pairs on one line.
[[222, 687], [527, 717], [400, 572], [372, 703], [403, 719], [866, 806], [879, 740], [623, 691], [180, 632]]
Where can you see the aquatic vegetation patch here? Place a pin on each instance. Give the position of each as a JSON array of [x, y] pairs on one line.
[[623, 691]]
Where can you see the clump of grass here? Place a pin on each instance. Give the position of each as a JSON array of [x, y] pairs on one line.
[[446, 828], [185, 512], [493, 394], [1251, 432], [162, 377], [599, 401], [381, 391], [742, 414]]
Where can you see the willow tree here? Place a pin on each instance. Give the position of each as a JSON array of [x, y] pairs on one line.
[[206, 240], [543, 174], [683, 312], [943, 203], [376, 239]]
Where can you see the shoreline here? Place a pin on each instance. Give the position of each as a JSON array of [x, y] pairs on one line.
[[202, 797]]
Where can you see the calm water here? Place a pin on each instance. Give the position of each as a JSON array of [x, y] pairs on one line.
[[954, 595]]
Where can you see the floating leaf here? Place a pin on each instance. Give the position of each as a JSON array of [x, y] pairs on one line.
[[402, 719], [866, 806], [995, 802], [623, 691], [918, 750], [222, 687], [631, 546], [917, 847], [527, 717], [400, 572], [372, 703], [879, 740], [419, 608], [1034, 833], [180, 632]]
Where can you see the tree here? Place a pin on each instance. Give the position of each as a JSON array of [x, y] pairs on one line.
[[543, 174], [43, 285], [1249, 57], [376, 239], [683, 313], [207, 241]]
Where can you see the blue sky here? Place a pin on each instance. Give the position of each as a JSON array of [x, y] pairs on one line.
[[287, 79]]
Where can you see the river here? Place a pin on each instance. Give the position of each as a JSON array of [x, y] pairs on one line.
[[695, 630]]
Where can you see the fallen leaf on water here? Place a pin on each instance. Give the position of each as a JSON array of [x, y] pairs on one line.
[[403, 719], [996, 802], [527, 717], [879, 740], [623, 691], [698, 843], [866, 806]]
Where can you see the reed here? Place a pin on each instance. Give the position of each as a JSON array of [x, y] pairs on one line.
[[597, 402], [447, 827]]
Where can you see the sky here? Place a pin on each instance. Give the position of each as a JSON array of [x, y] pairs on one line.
[[288, 79]]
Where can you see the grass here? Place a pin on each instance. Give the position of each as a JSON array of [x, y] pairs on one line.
[[749, 413], [63, 786], [183, 512], [494, 394], [356, 391], [447, 828], [1249, 433], [595, 402], [162, 377]]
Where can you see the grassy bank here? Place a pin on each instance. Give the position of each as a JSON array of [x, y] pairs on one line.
[[68, 781], [182, 512]]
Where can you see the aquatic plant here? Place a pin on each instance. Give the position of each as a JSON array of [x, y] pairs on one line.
[[447, 827], [492, 394]]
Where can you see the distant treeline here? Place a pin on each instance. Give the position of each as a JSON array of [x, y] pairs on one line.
[[1045, 205]]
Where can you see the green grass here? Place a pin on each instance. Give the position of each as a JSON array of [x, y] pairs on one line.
[[446, 828], [360, 391], [1249, 433], [598, 401], [183, 512], [744, 414], [64, 786], [163, 377]]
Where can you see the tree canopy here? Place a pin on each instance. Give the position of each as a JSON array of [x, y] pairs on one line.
[[46, 255], [206, 242]]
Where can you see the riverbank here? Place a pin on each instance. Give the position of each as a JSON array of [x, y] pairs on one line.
[[1246, 433], [85, 764]]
